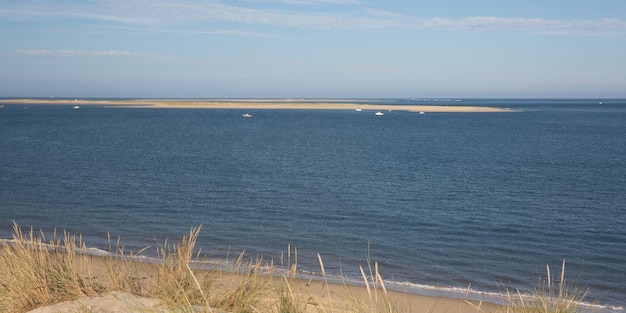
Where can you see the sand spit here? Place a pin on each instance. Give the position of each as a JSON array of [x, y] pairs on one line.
[[260, 104]]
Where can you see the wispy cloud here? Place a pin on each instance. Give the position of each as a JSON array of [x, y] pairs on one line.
[[170, 16], [74, 53], [491, 23], [166, 12]]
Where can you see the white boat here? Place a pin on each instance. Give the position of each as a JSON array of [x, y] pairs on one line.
[[76, 107], [358, 109], [247, 115], [422, 112], [379, 113]]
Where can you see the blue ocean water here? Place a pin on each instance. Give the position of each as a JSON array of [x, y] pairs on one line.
[[442, 201]]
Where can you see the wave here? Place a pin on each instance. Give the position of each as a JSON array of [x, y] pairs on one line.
[[486, 296]]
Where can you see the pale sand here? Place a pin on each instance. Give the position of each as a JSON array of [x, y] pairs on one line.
[[261, 104], [313, 295]]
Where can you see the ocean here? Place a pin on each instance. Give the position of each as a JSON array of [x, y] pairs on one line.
[[444, 202]]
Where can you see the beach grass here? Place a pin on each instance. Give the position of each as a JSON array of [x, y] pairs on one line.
[[552, 296], [36, 272]]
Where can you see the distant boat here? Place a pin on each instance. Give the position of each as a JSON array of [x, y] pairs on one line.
[[422, 112], [76, 107], [2, 106], [358, 109], [247, 115], [600, 103], [379, 113]]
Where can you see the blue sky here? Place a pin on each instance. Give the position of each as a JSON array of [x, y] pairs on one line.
[[313, 48]]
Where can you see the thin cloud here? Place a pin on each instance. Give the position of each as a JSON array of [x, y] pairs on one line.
[[159, 15], [177, 13], [170, 16], [491, 23], [43, 13], [74, 53]]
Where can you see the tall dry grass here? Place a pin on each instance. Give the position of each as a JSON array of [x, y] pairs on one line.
[[184, 287], [35, 271], [177, 284], [285, 288], [553, 296]]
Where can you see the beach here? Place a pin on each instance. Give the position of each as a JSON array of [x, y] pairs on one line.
[[261, 104], [313, 295], [63, 275]]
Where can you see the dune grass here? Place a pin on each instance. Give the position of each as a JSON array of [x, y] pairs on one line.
[[36, 272], [552, 296]]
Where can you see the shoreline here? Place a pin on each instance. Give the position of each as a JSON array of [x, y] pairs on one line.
[[329, 295], [314, 291], [260, 105], [128, 282], [335, 292]]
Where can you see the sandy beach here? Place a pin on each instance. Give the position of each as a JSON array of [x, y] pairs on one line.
[[260, 104], [314, 295], [62, 275]]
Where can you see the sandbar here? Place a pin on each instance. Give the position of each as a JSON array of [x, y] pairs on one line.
[[327, 104]]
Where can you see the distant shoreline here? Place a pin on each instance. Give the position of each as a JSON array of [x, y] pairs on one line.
[[260, 104]]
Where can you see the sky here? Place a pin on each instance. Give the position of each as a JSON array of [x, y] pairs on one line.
[[313, 48]]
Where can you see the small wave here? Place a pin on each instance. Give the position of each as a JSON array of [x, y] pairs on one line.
[[97, 252], [486, 296], [448, 292]]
